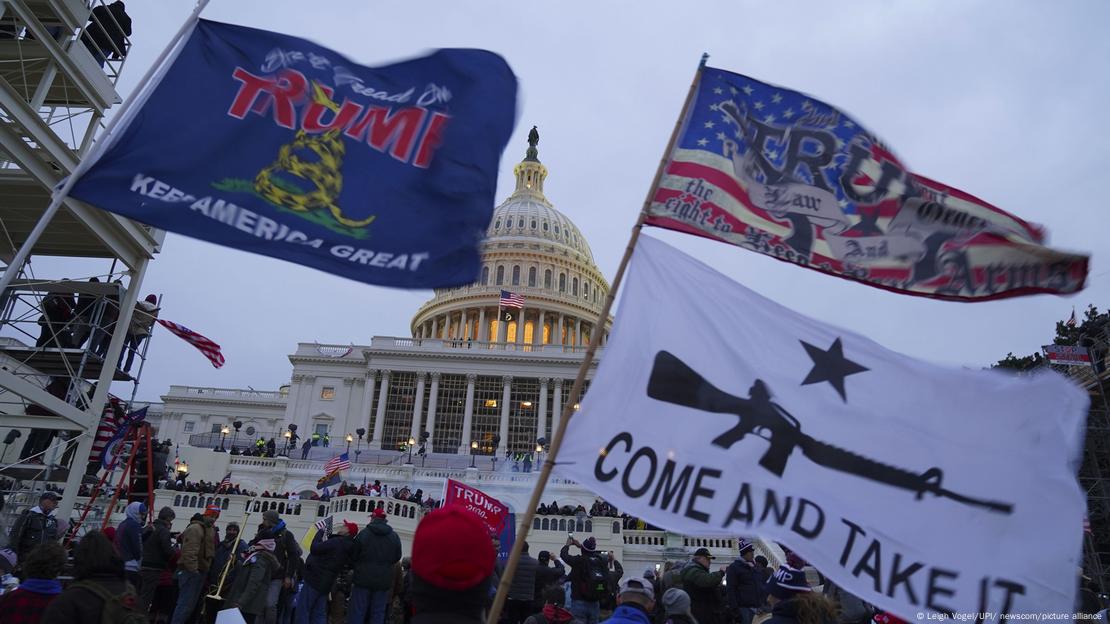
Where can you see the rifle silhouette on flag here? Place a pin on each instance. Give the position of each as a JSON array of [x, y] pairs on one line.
[[672, 381]]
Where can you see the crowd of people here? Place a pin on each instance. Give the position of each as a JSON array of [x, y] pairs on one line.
[[600, 509]]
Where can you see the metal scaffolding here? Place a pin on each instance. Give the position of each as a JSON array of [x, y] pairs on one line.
[[61, 340]]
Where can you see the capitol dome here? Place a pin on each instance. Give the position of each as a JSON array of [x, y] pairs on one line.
[[532, 251]]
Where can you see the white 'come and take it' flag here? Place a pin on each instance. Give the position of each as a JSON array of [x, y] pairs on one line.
[[920, 488]]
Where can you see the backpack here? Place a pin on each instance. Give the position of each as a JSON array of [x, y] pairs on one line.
[[594, 584], [117, 609]]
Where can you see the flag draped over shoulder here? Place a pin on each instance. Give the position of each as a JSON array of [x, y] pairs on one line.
[[919, 488], [780, 173], [275, 145]]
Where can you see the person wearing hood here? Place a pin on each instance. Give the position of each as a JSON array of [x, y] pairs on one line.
[[793, 601], [377, 548], [39, 587], [230, 544], [198, 546], [35, 526], [99, 573], [326, 559], [676, 607], [634, 602], [288, 554], [554, 609], [157, 552], [252, 584], [129, 541], [522, 590]]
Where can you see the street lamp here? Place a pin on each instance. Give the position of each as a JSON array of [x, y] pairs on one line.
[[223, 436], [238, 425], [182, 470], [288, 436], [473, 450], [350, 439], [412, 442], [358, 447]]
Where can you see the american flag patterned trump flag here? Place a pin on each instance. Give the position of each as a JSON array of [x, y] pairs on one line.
[[777, 172]]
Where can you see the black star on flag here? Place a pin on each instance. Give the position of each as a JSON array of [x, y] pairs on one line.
[[831, 366]]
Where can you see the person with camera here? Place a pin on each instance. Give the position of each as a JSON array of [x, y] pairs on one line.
[[589, 578]]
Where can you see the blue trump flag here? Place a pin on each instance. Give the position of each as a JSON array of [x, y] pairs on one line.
[[275, 145]]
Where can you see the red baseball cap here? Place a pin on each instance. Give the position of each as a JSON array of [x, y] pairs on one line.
[[378, 513], [451, 549]]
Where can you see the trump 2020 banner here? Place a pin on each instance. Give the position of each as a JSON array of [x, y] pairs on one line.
[[275, 145], [920, 488], [780, 173], [491, 511]]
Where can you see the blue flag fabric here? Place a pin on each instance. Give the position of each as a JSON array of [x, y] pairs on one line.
[[275, 145]]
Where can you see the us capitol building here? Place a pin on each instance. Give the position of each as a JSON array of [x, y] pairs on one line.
[[475, 385]]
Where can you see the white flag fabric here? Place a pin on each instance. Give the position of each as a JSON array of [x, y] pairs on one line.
[[922, 489]]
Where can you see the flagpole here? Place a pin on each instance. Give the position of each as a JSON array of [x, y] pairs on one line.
[[83, 165], [587, 360]]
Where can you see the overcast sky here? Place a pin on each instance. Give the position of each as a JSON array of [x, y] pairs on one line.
[[1003, 100]]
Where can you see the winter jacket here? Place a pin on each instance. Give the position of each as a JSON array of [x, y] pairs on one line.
[[523, 586], [32, 528], [704, 588], [743, 583], [579, 568], [26, 604], [786, 612], [157, 548], [287, 551], [77, 605], [129, 537], [142, 319], [253, 582], [219, 562], [629, 613], [546, 577], [326, 559], [552, 615], [198, 546], [377, 549]]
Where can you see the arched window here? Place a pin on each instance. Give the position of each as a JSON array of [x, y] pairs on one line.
[[497, 224], [177, 501], [516, 275], [533, 224], [586, 288], [500, 275], [547, 278], [545, 226], [574, 287], [531, 277], [520, 223], [485, 275], [556, 229], [562, 282]]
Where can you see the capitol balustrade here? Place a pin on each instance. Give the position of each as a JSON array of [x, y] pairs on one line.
[[439, 344], [227, 393]]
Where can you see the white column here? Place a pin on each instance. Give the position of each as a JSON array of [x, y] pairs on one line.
[[503, 430], [433, 400], [502, 326], [541, 418], [418, 405], [557, 409], [520, 326], [537, 330], [559, 332], [468, 415], [482, 337], [435, 326], [578, 331], [379, 417], [291, 400], [462, 326], [367, 398]]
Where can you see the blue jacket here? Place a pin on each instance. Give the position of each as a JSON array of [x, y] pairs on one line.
[[629, 613]]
